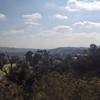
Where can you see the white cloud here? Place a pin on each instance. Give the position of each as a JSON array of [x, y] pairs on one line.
[[2, 17], [54, 38], [62, 29], [55, 32], [76, 5], [60, 17], [33, 19], [81, 39], [87, 26], [12, 33], [58, 36]]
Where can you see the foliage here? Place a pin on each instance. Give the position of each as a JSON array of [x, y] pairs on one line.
[[42, 76], [55, 86], [10, 91]]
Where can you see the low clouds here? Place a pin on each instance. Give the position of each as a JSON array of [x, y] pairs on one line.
[[55, 32], [62, 29], [63, 35], [87, 26], [32, 19], [60, 17], [3, 17], [77, 5], [12, 33], [60, 35]]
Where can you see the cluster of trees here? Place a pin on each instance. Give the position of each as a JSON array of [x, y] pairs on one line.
[[40, 75], [89, 63]]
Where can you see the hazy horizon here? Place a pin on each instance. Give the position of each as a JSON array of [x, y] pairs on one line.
[[49, 24], [48, 48]]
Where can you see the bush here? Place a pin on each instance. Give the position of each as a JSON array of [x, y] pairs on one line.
[[55, 86], [10, 91]]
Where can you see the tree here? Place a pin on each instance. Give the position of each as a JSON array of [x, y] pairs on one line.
[[93, 48], [28, 56], [2, 59]]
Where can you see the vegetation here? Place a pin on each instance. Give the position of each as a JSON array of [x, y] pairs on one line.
[[42, 76]]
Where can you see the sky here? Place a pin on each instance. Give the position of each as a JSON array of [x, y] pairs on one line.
[[49, 23]]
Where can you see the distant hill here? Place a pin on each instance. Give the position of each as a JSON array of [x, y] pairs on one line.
[[67, 50], [15, 51], [60, 50]]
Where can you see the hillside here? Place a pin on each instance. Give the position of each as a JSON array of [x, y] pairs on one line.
[[60, 50]]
